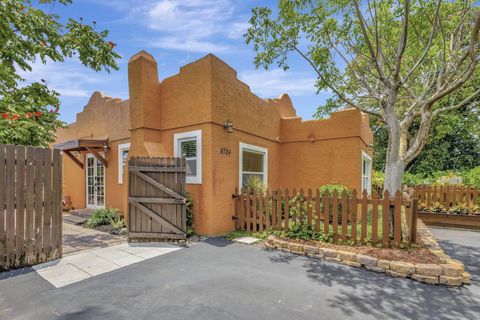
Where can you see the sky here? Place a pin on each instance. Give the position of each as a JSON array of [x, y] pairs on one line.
[[175, 32]]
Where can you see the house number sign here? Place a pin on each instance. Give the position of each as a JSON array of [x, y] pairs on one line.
[[225, 151]]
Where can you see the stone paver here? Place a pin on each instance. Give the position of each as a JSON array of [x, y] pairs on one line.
[[246, 240], [83, 265], [77, 238]]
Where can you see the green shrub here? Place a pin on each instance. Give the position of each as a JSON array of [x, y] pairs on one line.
[[471, 177], [378, 179], [105, 216], [411, 179], [330, 188], [462, 208], [436, 206], [256, 184]]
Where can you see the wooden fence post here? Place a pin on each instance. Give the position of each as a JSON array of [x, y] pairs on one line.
[[412, 238]]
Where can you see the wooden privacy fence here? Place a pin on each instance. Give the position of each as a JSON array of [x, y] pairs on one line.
[[30, 205], [156, 198], [448, 196], [345, 217]]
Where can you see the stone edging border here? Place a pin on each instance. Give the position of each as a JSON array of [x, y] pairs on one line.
[[450, 273]]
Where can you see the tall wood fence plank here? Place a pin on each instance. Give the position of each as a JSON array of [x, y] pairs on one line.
[[10, 206], [29, 194], [19, 205]]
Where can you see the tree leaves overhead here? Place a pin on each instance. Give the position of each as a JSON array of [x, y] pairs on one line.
[[28, 35], [404, 62]]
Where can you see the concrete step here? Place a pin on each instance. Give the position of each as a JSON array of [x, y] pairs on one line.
[[76, 220], [84, 213]]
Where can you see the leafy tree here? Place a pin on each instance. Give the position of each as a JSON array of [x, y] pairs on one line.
[[405, 63], [453, 145], [29, 112]]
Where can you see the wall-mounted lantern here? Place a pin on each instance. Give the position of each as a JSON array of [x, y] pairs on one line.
[[228, 126], [105, 147]]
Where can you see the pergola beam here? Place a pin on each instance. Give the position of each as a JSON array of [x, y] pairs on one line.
[[97, 155], [71, 156]]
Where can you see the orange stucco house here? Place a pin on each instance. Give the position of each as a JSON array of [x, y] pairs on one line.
[[226, 132]]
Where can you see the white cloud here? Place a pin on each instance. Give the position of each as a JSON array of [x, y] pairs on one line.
[[61, 77], [193, 18], [237, 29], [70, 78], [191, 25], [272, 83], [190, 45]]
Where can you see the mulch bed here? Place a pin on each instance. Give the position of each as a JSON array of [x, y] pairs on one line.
[[415, 254]]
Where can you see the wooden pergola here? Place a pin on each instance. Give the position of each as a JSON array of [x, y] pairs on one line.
[[92, 146]]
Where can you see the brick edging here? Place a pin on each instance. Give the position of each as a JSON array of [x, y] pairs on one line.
[[450, 273]]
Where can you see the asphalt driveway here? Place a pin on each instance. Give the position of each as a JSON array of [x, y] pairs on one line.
[[217, 279]]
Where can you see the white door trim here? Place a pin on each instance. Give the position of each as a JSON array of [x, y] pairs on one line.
[[94, 206], [254, 148]]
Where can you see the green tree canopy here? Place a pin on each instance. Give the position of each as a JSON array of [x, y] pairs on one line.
[[404, 62], [453, 145], [29, 111]]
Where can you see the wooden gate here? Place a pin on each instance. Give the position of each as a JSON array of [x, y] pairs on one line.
[[30, 205], [156, 199]]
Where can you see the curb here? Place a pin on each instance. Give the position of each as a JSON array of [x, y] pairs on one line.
[[451, 272]]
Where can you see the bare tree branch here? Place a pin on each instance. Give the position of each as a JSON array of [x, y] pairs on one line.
[[427, 48], [402, 43], [361, 21], [338, 93], [474, 97]]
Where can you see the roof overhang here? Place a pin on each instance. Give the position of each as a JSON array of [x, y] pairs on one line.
[[90, 145]]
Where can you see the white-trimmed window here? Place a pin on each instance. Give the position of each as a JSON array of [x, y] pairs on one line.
[[123, 150], [253, 162], [189, 145], [366, 172]]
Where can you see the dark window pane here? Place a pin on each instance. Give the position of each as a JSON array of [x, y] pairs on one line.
[[188, 148], [252, 161]]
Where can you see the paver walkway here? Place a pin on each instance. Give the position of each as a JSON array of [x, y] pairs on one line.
[[83, 265], [77, 238]]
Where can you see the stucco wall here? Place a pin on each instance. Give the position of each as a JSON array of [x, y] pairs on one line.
[[326, 151], [202, 96], [102, 118]]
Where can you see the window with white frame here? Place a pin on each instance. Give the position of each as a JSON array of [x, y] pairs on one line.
[[366, 172], [189, 145], [253, 162], [123, 150]]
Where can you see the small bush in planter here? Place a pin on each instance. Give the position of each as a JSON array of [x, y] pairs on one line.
[[462, 208], [105, 216]]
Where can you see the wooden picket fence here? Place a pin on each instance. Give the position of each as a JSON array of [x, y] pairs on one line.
[[30, 205], [448, 196], [355, 218]]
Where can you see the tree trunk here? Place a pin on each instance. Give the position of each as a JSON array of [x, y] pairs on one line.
[[393, 182], [394, 166], [394, 170]]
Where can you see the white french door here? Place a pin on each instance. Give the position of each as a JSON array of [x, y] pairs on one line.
[[95, 183]]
